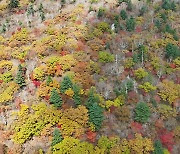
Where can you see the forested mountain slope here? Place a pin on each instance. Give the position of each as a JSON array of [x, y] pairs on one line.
[[89, 77]]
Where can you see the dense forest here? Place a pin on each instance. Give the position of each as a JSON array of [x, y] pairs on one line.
[[89, 77]]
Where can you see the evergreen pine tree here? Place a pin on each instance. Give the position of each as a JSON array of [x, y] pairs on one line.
[[94, 110], [142, 112], [123, 14], [169, 5], [76, 96], [166, 4], [14, 3], [65, 84], [91, 98], [158, 148], [101, 12], [55, 98], [142, 10], [20, 79], [49, 80], [41, 8], [130, 24], [129, 6], [63, 2], [41, 12], [164, 17], [3, 28], [57, 137], [173, 6], [30, 10], [172, 51], [42, 16], [96, 115]]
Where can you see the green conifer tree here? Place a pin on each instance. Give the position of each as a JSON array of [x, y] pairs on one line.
[[142, 112], [76, 96], [91, 98], [63, 2], [49, 80], [3, 28], [158, 148], [20, 78], [57, 137], [129, 5], [42, 16], [172, 51], [13, 3], [123, 14], [41, 12], [130, 24], [65, 84], [142, 10], [101, 12], [95, 111], [30, 10], [55, 98], [166, 4], [96, 115]]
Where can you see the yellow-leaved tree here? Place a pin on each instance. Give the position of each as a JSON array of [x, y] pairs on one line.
[[74, 121], [32, 120], [169, 91]]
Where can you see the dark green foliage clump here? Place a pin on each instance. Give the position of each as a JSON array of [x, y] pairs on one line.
[[136, 58], [57, 137], [122, 27], [142, 112], [65, 84], [30, 10], [129, 5], [116, 25], [94, 110], [49, 80], [142, 10], [162, 26], [172, 51], [120, 91], [169, 29], [129, 85], [123, 14], [141, 52], [172, 31], [63, 2], [3, 29], [130, 24], [41, 12], [164, 17], [116, 17], [169, 5], [153, 101], [120, 1], [55, 98], [20, 78], [91, 98], [158, 149], [76, 96], [96, 115], [13, 3], [158, 24], [107, 45], [101, 12]]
